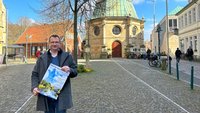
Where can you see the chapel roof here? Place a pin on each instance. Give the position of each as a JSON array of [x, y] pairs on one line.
[[114, 8]]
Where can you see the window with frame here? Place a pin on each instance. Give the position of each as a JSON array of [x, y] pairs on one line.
[[33, 50], [170, 22], [96, 30], [194, 14], [179, 22], [195, 43], [175, 23], [116, 30], [182, 45], [190, 17], [198, 11], [185, 19], [186, 43], [191, 42], [182, 21]]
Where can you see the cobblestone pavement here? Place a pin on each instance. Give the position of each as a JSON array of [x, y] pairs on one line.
[[184, 69], [185, 66], [14, 87], [115, 86]]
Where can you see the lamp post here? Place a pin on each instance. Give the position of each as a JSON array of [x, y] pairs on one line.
[[26, 47], [167, 32], [6, 37], [154, 22], [158, 30], [154, 14]]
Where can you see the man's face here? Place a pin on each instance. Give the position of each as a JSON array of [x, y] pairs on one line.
[[54, 43]]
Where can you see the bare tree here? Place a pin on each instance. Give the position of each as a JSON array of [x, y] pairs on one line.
[[13, 33], [24, 22], [57, 10], [15, 30]]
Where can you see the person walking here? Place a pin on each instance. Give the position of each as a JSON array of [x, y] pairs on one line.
[[178, 55], [190, 53], [148, 53], [62, 59]]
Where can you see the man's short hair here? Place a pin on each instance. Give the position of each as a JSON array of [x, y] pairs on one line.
[[54, 35]]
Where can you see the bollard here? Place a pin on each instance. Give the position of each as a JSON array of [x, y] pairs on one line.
[[192, 77], [177, 71], [163, 64]]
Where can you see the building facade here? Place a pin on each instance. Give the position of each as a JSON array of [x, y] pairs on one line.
[[36, 37], [2, 27], [173, 41], [114, 28], [189, 27]]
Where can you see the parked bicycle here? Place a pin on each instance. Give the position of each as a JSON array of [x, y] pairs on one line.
[[154, 62]]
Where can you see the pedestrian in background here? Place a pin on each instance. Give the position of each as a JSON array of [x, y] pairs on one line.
[[148, 53], [190, 53], [38, 53], [178, 55], [62, 59]]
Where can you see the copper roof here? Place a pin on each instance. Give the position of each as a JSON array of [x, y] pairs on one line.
[[114, 8]]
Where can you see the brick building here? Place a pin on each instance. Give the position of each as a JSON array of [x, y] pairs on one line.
[[36, 37]]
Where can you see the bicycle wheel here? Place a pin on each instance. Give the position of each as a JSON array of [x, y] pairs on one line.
[[151, 63], [158, 64]]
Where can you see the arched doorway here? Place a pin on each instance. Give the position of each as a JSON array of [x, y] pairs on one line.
[[116, 49]]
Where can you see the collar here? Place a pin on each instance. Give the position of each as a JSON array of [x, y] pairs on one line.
[[59, 52]]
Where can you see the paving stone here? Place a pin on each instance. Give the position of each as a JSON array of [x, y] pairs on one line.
[[115, 86]]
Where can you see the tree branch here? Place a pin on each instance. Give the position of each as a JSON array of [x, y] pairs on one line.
[[82, 4], [70, 5]]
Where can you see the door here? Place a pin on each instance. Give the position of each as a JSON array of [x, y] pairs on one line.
[[116, 49]]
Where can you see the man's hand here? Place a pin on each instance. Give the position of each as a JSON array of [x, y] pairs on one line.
[[35, 91], [65, 68]]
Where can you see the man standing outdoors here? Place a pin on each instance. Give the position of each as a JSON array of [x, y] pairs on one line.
[[190, 53], [62, 59], [178, 55]]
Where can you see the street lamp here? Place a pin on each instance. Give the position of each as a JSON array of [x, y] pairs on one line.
[[167, 32], [6, 37], [158, 30], [154, 15], [154, 21]]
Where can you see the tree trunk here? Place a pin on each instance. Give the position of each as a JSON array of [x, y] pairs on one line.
[[75, 31]]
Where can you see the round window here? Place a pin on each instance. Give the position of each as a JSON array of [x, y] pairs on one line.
[[116, 30], [96, 30]]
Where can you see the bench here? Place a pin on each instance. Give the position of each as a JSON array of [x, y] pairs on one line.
[[18, 56]]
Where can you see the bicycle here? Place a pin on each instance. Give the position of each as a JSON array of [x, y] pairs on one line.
[[154, 62]]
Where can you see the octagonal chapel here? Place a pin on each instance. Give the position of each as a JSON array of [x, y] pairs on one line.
[[113, 28]]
